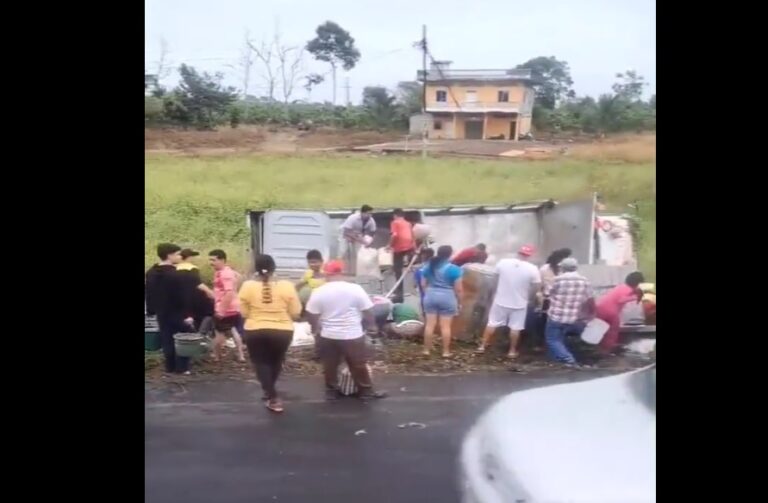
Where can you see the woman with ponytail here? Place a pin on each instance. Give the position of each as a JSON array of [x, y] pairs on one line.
[[269, 308], [441, 281]]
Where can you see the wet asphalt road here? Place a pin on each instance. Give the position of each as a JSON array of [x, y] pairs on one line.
[[215, 442]]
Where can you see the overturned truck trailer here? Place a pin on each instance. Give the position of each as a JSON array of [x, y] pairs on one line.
[[287, 234], [601, 243]]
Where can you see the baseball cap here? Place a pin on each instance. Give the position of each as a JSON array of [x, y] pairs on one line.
[[188, 252], [569, 264], [526, 250], [333, 267]]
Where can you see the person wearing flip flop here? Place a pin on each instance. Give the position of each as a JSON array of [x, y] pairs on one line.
[[269, 308], [443, 292], [226, 306], [518, 285]]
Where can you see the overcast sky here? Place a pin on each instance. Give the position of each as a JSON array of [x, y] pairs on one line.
[[598, 38]]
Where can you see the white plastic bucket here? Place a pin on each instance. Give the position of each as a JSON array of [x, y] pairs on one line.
[[385, 258], [594, 331]]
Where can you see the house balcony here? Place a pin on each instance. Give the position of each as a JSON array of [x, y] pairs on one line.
[[474, 107]]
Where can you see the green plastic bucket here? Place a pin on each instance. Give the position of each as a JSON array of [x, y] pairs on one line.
[[151, 340], [190, 345]]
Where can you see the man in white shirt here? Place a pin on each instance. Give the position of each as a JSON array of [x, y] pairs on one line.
[[519, 282], [337, 311], [353, 233]]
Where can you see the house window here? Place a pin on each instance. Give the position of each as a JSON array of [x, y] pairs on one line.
[[441, 96], [438, 125], [503, 96]]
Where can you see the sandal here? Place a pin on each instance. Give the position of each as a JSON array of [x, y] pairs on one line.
[[480, 350], [275, 405], [512, 356], [447, 355]]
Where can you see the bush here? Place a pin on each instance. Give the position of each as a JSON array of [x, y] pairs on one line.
[[153, 109]]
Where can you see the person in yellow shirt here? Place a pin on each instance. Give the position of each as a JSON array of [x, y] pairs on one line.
[[312, 277], [269, 308]]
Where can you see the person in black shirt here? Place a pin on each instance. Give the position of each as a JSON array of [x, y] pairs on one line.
[[169, 300]]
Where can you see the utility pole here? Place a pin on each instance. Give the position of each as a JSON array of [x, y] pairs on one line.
[[424, 91], [346, 88], [424, 68], [247, 63]]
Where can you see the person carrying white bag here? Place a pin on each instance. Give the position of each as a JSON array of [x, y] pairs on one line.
[[357, 231]]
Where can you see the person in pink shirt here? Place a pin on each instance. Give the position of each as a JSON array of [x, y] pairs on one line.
[[226, 305], [609, 308]]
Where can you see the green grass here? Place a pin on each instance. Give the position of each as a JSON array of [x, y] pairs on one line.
[[201, 201]]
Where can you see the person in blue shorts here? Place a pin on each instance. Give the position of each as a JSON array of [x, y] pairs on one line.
[[441, 282]]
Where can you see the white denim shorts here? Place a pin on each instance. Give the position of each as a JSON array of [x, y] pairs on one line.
[[500, 316]]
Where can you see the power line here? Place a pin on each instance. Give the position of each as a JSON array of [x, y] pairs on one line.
[[346, 88], [439, 69]]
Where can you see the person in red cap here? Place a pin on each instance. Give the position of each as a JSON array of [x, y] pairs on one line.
[[473, 255], [519, 283], [337, 311]]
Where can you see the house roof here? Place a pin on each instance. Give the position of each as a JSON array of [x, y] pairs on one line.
[[439, 74]]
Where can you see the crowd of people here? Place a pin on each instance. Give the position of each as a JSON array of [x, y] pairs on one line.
[[259, 312], [260, 315]]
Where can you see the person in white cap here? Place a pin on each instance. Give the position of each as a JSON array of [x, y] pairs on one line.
[[519, 283], [571, 304]]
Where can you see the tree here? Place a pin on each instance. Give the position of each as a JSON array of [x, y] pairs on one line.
[[335, 46], [652, 102], [291, 67], [265, 54], [199, 99], [554, 80], [409, 97], [630, 86], [379, 104], [282, 64], [153, 109], [163, 64], [244, 65], [311, 80]]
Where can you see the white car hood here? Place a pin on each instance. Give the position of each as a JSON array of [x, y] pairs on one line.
[[590, 442]]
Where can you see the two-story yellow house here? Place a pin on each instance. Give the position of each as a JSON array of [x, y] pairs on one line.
[[476, 104]]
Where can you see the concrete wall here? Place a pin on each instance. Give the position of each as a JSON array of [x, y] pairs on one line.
[[455, 128], [446, 131], [523, 125], [497, 125], [416, 123]]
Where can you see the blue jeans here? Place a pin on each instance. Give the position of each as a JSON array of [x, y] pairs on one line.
[[168, 328], [555, 333]]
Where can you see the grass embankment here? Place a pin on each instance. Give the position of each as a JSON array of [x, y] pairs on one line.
[[201, 201]]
